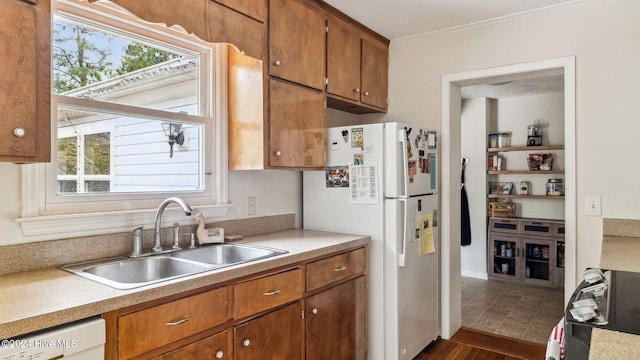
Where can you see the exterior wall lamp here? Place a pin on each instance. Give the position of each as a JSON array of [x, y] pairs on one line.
[[174, 135]]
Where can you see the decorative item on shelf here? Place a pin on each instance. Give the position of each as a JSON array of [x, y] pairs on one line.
[[502, 209], [545, 252], [540, 162], [494, 162], [504, 139], [555, 187], [500, 188], [534, 135], [493, 140], [524, 188]]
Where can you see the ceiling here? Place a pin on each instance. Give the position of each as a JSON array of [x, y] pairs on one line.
[[397, 19]]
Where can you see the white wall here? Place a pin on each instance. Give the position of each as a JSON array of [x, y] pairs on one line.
[[603, 35], [276, 192], [474, 127]]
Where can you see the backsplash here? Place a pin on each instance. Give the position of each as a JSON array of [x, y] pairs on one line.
[[37, 255]]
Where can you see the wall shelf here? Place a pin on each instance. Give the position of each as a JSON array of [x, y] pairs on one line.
[[545, 197], [526, 172], [526, 148]]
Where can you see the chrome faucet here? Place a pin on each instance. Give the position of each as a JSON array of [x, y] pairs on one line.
[[157, 246]]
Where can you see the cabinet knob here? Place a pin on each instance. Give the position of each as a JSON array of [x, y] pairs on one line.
[[276, 63], [278, 153], [246, 342], [219, 354], [314, 310], [366, 93], [19, 132], [357, 90]]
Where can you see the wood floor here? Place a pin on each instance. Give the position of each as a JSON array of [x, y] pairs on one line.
[[474, 344]]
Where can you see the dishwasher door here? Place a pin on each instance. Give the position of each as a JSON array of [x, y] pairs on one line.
[[80, 340]]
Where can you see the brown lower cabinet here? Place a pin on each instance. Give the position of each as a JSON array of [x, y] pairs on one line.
[[276, 336], [213, 347], [310, 310], [335, 323]]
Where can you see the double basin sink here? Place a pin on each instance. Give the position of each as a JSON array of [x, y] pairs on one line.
[[128, 273]]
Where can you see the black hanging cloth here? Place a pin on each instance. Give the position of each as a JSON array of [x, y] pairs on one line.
[[464, 217]]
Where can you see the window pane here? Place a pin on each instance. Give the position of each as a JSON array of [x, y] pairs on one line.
[[128, 153], [103, 64], [67, 186], [68, 156], [96, 186], [97, 157]]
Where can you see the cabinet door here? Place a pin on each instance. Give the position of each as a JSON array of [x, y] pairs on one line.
[[213, 347], [275, 336], [343, 61], [503, 255], [297, 42], [25, 89], [374, 73], [539, 257], [297, 120], [336, 322]]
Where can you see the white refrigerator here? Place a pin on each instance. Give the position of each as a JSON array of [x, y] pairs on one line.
[[381, 180]]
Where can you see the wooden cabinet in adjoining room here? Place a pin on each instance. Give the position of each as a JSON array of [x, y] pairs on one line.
[[297, 116], [25, 89], [297, 42], [356, 69]]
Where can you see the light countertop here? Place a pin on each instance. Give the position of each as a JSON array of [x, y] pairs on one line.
[[618, 253], [38, 299]]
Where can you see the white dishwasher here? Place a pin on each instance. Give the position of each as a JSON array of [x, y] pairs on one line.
[[80, 340]]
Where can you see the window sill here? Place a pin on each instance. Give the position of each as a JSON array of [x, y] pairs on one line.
[[50, 227]]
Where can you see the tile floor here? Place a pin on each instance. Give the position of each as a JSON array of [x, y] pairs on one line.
[[516, 310]]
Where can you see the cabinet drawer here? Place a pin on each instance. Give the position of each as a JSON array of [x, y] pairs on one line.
[[558, 230], [503, 225], [150, 328], [324, 272], [216, 346], [533, 227], [257, 295]]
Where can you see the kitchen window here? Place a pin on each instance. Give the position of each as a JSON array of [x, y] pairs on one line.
[[137, 113]]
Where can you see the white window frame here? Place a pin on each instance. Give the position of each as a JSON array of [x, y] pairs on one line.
[[46, 216]]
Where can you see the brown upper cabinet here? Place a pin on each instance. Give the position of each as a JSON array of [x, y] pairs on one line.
[[357, 69], [297, 42], [25, 33]]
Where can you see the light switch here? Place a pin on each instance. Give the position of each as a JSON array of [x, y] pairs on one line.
[[593, 206]]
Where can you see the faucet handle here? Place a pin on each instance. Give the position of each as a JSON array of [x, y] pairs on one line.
[[136, 243], [176, 236]]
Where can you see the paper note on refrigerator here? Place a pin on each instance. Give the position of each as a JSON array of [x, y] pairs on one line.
[[426, 235], [363, 184]]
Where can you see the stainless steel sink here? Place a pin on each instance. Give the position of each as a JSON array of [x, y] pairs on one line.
[[123, 273], [227, 254], [128, 273]]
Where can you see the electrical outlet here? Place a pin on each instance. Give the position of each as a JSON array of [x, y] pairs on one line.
[[593, 206], [251, 206]]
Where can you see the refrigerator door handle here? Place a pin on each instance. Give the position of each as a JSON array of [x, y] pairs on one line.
[[403, 244], [405, 163]]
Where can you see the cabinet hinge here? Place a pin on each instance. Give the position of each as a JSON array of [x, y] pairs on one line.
[[325, 104], [326, 81], [326, 29], [302, 314]]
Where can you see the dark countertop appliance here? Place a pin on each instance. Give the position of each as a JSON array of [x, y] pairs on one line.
[[618, 310]]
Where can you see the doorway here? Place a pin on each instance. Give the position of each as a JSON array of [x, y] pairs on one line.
[[451, 281]]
